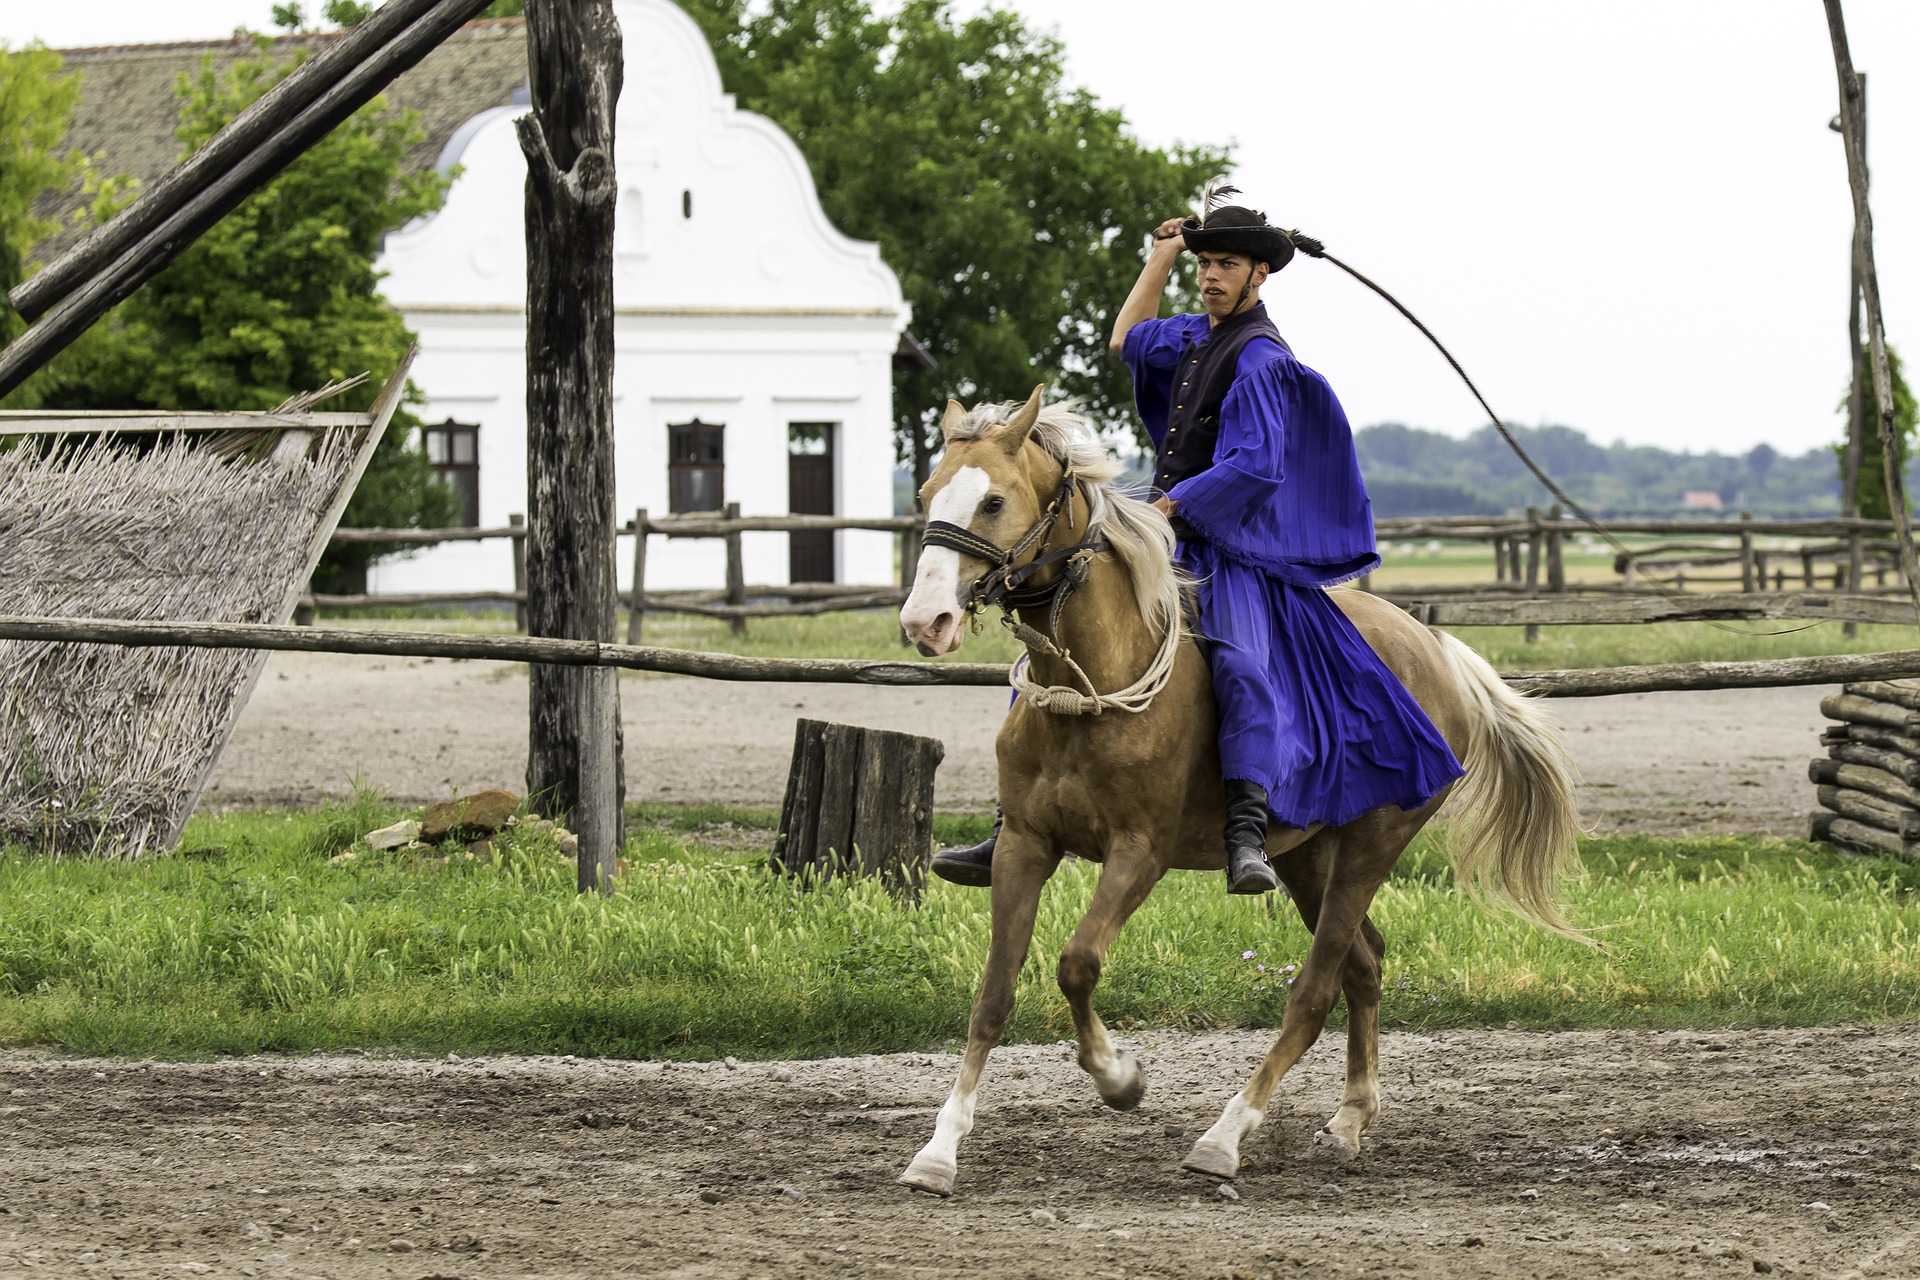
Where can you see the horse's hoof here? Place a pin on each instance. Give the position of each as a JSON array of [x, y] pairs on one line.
[[1211, 1160], [1128, 1096], [928, 1175], [1328, 1145]]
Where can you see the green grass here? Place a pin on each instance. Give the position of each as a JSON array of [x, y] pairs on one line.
[[1584, 647], [260, 940]]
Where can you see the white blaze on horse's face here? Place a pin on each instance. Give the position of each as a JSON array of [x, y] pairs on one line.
[[934, 613]]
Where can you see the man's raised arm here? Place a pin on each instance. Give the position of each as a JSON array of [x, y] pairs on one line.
[[1143, 303]]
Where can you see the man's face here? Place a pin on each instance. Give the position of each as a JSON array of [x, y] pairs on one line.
[[1222, 276]]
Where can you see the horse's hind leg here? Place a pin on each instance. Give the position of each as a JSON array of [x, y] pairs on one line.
[[1020, 869], [1360, 1102], [1128, 876], [1342, 908]]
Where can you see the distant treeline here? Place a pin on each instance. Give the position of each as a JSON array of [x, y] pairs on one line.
[[1412, 472]]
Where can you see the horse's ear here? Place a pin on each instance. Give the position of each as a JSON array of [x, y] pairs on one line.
[[951, 420], [1014, 438]]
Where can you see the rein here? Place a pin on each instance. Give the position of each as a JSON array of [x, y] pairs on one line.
[[1007, 587]]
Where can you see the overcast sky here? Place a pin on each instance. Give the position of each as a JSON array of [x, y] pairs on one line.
[[1627, 216]]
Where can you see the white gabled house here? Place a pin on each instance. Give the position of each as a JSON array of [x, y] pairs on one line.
[[754, 343]]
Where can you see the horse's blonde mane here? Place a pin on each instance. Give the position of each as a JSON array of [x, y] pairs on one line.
[[1139, 534]]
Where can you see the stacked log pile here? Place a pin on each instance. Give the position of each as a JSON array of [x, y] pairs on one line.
[[1869, 784]]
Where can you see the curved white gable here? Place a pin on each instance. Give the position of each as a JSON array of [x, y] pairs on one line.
[[718, 211]]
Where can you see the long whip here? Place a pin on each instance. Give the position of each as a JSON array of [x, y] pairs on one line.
[[1315, 249]]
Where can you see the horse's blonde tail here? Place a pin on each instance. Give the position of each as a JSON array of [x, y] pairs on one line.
[[1514, 820]]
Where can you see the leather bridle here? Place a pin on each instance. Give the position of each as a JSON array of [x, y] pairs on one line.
[[1008, 585]]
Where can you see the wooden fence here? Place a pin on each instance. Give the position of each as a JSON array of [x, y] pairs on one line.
[[1571, 683], [1823, 577], [736, 602]]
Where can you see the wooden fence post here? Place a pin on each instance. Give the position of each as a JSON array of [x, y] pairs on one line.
[[1533, 565], [637, 604], [736, 572], [1499, 560], [1747, 565], [909, 568], [517, 520], [1856, 577], [1513, 559], [1556, 566]]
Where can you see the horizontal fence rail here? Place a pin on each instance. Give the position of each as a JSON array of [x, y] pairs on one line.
[[1599, 682], [1529, 571]]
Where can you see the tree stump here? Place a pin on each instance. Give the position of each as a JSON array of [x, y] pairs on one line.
[[859, 802]]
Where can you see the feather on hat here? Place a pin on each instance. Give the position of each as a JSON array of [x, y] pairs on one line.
[[1234, 228]]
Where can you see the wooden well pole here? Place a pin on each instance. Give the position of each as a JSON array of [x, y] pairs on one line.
[[573, 750], [1853, 130], [1857, 386]]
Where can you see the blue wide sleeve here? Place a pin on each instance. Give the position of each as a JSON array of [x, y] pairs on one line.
[[1284, 493], [1152, 350]]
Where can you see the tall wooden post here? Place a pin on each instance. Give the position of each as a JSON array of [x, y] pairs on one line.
[[573, 749], [1853, 124]]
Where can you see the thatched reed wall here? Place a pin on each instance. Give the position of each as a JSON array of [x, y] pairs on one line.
[[104, 750]]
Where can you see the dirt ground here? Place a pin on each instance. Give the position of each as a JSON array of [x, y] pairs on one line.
[[1499, 1154], [421, 729]]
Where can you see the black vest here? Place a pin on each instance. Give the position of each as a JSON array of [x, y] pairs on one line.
[[1200, 384]]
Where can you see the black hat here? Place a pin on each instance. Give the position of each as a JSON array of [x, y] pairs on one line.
[[1233, 228]]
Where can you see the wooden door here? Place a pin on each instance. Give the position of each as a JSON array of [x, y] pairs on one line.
[[810, 492]]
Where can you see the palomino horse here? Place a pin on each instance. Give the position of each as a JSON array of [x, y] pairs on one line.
[[1137, 786]]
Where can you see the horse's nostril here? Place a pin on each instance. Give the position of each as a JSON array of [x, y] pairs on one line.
[[942, 623]]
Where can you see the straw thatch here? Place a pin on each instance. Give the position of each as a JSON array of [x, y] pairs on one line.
[[104, 750]]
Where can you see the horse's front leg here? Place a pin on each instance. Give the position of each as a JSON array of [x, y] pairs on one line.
[[1129, 874], [1021, 866]]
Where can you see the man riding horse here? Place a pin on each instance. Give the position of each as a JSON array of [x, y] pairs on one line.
[[1254, 465]]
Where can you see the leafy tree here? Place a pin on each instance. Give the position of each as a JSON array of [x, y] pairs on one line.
[[1413, 472], [342, 13], [36, 110], [1873, 469], [1013, 207]]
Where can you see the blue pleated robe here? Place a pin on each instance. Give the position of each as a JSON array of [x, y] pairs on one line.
[[1307, 709]]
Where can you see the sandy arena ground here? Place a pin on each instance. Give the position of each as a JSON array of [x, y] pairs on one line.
[[423, 729], [1499, 1154]]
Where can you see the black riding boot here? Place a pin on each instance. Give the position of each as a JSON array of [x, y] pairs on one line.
[[971, 866], [1247, 867]]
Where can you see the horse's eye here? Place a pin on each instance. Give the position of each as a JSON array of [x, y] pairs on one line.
[[993, 505]]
